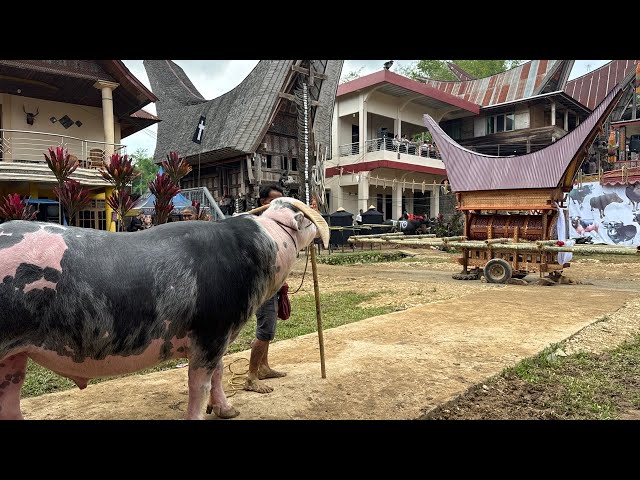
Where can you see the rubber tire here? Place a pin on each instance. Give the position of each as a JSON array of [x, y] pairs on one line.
[[464, 276], [497, 263]]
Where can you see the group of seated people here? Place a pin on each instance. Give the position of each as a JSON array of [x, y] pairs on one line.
[[404, 145]]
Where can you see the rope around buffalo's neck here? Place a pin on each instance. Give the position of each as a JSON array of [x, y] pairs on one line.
[[303, 273]]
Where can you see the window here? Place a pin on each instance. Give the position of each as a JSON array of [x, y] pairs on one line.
[[453, 128], [86, 218], [268, 161], [294, 164], [505, 122], [95, 216], [285, 163], [102, 220]]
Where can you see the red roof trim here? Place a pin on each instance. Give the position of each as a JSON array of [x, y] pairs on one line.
[[622, 123], [368, 166], [404, 82], [144, 114]]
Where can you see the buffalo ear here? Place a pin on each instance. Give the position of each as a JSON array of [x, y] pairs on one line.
[[298, 220]]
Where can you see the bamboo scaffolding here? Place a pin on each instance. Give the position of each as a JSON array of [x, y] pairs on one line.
[[491, 241], [502, 244], [546, 242], [592, 250], [396, 241], [409, 240]]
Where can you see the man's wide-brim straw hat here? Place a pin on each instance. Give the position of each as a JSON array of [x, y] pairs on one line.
[[371, 207], [340, 209]]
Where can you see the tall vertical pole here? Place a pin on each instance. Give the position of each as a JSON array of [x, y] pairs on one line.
[[308, 137]]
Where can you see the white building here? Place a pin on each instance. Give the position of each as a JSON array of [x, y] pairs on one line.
[[368, 167]]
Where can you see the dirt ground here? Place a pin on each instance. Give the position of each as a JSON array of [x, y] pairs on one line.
[[449, 336]]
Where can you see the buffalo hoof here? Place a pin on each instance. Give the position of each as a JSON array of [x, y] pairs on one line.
[[220, 413]]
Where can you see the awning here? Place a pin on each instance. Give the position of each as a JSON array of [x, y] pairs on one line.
[[42, 200]]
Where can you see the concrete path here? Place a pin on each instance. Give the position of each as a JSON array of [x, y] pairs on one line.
[[393, 366]]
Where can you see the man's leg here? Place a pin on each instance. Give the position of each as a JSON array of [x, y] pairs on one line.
[[264, 370], [266, 317]]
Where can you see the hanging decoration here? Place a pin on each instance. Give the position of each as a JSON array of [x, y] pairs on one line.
[[612, 148]]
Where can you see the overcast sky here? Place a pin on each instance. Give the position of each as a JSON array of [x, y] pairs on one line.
[[215, 77]]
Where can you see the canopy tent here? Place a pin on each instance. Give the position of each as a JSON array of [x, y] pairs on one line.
[[145, 203], [42, 200]]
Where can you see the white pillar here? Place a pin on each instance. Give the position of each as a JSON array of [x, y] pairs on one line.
[[362, 124], [566, 120], [553, 113], [363, 191], [396, 201], [435, 206], [107, 89], [335, 141]]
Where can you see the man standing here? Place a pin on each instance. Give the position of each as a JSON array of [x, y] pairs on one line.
[[267, 317], [137, 223], [359, 218]]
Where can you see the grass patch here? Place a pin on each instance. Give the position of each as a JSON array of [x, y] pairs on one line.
[[361, 257], [337, 309], [585, 386]]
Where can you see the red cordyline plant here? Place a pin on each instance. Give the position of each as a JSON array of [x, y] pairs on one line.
[[165, 186], [175, 167], [13, 207], [164, 190], [120, 172], [71, 195], [121, 202], [61, 163]]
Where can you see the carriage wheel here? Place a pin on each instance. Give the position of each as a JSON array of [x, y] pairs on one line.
[[497, 270]]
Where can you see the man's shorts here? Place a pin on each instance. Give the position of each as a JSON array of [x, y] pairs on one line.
[[267, 316]]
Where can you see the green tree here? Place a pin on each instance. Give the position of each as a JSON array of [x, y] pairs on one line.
[[144, 164], [352, 75], [438, 69]]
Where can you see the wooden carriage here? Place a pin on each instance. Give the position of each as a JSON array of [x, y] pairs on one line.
[[510, 204], [510, 226]]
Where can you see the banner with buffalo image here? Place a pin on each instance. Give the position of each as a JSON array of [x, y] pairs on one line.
[[606, 214]]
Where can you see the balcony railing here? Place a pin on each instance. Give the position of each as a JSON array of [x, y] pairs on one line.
[[23, 146], [388, 144]]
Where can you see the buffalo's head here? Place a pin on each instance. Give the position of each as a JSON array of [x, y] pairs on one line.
[[300, 217], [30, 116]]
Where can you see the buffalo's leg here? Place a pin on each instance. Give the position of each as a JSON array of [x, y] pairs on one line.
[[199, 387], [12, 372], [218, 402]]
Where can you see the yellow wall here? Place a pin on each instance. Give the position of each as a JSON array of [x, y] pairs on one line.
[[14, 118]]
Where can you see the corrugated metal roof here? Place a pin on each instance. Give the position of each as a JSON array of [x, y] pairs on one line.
[[546, 168], [519, 82], [591, 88]]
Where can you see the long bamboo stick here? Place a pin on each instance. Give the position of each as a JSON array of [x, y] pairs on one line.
[[316, 291], [592, 250], [498, 240]]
